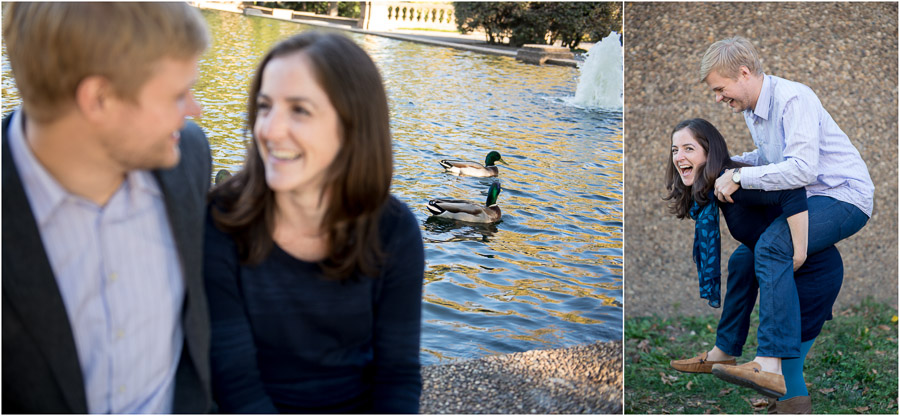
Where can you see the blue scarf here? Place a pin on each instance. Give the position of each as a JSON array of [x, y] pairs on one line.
[[707, 250]]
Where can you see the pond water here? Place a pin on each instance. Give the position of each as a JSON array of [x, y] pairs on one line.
[[550, 273]]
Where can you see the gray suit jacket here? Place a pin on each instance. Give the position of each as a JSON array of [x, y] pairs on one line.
[[41, 371]]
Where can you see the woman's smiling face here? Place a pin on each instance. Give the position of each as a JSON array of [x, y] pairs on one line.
[[687, 155]]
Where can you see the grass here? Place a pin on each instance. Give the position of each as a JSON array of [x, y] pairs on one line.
[[851, 369]]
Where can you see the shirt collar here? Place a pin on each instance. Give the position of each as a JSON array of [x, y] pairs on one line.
[[44, 192], [764, 102]]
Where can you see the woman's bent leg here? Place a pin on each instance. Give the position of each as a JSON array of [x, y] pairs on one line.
[[740, 298]]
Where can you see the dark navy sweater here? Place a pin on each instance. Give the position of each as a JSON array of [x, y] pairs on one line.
[[285, 339]]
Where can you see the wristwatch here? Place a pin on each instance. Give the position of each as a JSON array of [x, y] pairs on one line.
[[736, 176]]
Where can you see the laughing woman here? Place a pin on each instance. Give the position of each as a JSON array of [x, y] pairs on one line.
[[699, 155], [313, 270]]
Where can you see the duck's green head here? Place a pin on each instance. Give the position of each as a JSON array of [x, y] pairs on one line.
[[493, 193], [493, 157]]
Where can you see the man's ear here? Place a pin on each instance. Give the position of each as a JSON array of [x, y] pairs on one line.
[[745, 72], [93, 98]]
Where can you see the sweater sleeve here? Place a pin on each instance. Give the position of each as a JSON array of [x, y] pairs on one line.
[[398, 310], [237, 386], [792, 201]]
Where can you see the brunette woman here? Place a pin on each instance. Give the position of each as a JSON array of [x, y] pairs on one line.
[[699, 155], [313, 270]]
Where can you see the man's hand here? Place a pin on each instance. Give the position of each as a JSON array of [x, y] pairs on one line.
[[725, 186]]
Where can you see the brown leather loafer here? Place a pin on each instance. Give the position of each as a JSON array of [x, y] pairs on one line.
[[800, 405], [698, 364], [751, 375]]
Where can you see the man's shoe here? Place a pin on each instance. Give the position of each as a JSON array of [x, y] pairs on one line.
[[751, 375], [800, 405], [772, 408], [698, 364]]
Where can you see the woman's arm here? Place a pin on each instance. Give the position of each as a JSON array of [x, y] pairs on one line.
[[237, 386], [799, 225], [398, 310]]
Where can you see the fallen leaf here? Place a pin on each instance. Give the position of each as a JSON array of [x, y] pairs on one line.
[[711, 401], [757, 402], [690, 383], [840, 353], [865, 390], [827, 391], [862, 409], [644, 345], [880, 352], [665, 380], [884, 327], [709, 411], [894, 319], [710, 328], [724, 392], [874, 371], [829, 372]]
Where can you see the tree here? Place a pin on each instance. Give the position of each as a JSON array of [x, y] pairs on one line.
[[540, 22]]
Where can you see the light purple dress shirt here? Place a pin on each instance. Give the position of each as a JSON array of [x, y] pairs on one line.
[[800, 145], [120, 278]]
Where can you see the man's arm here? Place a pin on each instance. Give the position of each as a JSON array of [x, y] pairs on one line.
[[801, 152]]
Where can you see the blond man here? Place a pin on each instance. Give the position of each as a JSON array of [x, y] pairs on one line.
[[799, 145], [103, 206]]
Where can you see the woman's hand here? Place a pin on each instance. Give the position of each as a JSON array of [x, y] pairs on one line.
[[799, 259]]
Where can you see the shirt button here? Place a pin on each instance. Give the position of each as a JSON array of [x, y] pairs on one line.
[[113, 277], [122, 389], [120, 334]]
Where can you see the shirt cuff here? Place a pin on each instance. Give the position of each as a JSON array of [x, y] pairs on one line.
[[751, 177]]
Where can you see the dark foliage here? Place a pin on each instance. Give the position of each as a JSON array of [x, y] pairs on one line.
[[540, 22]]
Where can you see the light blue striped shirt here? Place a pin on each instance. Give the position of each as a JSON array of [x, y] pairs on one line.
[[799, 144], [118, 272]]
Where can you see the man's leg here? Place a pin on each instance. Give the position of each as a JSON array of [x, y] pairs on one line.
[[740, 297], [830, 221]]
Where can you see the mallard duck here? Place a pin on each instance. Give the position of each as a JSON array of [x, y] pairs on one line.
[[462, 167], [222, 175], [468, 211]]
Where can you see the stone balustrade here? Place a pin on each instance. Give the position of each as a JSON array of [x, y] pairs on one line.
[[407, 15]]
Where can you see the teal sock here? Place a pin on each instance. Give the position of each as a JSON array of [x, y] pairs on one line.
[[792, 368]]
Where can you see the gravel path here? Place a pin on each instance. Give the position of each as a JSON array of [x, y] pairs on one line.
[[581, 379], [845, 52]]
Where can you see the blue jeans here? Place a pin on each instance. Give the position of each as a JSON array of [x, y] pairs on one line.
[[772, 261], [740, 297]]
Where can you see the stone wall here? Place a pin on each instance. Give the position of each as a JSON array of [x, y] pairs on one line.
[[846, 52]]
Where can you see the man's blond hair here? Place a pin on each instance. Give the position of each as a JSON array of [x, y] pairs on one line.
[[727, 56], [52, 47]]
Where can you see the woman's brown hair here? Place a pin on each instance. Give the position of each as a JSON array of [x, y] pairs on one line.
[[358, 180], [717, 159]]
